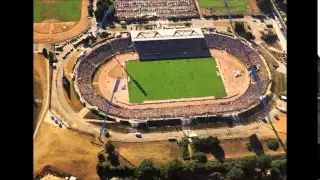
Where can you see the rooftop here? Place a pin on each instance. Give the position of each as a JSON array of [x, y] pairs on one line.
[[166, 34]]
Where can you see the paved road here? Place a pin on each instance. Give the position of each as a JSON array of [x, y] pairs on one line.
[[280, 19]]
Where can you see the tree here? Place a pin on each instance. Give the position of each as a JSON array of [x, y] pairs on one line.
[[109, 148], [275, 174], [249, 146], [146, 170], [51, 57], [239, 27], [248, 163], [273, 144], [101, 158], [173, 169], [200, 157], [104, 171], [264, 162], [188, 24], [265, 6], [45, 52], [90, 12], [216, 176], [249, 35], [235, 174], [280, 164]]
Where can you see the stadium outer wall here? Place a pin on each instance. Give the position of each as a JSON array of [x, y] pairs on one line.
[[234, 115]]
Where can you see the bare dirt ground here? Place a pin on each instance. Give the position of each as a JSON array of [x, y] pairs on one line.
[[236, 148], [69, 64], [61, 27], [221, 23], [105, 78], [73, 101], [39, 83], [253, 7], [56, 33], [42, 28], [67, 150], [228, 64], [161, 151], [73, 152]]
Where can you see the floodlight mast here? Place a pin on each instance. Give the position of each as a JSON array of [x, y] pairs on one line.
[[256, 78], [226, 5], [109, 105]]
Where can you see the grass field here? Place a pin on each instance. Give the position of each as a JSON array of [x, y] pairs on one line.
[[236, 6], [62, 10], [173, 79]]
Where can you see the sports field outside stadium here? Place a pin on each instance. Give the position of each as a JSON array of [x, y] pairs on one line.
[[236, 6], [61, 10], [173, 79]]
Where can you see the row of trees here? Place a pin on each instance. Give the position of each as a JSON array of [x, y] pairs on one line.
[[265, 6], [246, 168], [240, 28], [203, 146], [102, 8], [49, 55], [90, 8]]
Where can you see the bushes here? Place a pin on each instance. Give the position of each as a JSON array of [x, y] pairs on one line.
[[264, 162], [175, 169], [273, 144], [249, 146], [101, 158], [184, 149], [200, 157], [265, 6], [102, 7], [216, 176], [235, 174], [146, 170], [248, 163], [206, 145], [269, 38], [45, 52], [109, 148], [187, 24], [280, 164]]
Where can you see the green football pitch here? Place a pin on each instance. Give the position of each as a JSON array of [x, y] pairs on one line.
[[173, 79], [235, 6], [62, 10]]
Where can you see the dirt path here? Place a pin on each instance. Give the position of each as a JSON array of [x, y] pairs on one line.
[[56, 33], [40, 83]]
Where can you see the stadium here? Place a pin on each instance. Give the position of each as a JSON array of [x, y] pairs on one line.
[[152, 76]]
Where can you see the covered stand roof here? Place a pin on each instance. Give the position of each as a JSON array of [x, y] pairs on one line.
[[166, 34]]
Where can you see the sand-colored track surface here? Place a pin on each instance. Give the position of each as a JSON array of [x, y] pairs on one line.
[[53, 31], [227, 64]]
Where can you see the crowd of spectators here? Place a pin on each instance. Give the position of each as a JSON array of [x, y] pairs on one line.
[[232, 45], [171, 49], [163, 9]]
